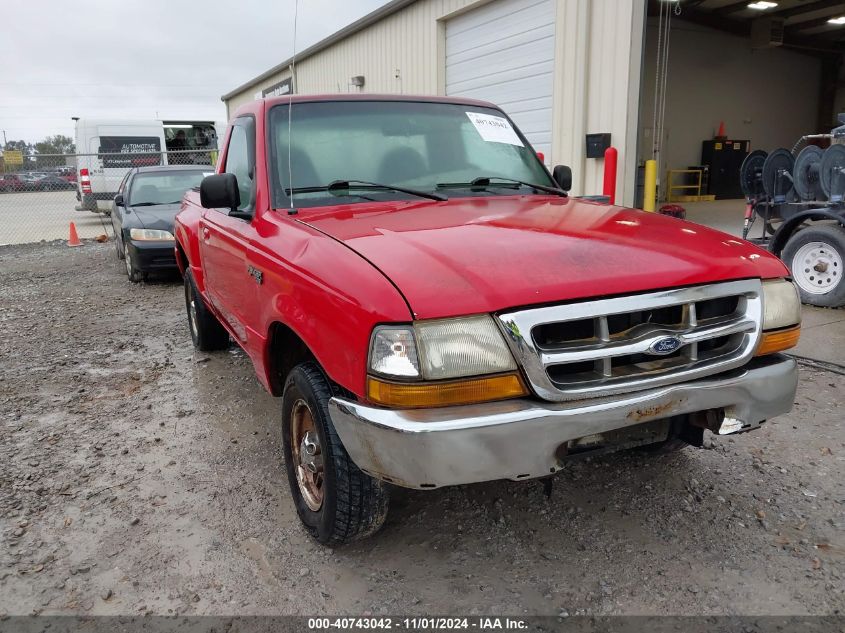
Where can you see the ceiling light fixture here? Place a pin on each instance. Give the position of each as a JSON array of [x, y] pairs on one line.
[[762, 5], [839, 20]]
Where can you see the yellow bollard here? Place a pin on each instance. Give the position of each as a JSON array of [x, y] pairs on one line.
[[650, 193]]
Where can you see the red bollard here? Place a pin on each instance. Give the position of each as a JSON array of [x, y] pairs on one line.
[[610, 158]]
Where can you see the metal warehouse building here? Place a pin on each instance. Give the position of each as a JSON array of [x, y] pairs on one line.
[[565, 69]]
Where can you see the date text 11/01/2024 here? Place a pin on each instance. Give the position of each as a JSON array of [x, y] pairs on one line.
[[479, 623]]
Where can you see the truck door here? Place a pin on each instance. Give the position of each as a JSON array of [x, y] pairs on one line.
[[225, 240]]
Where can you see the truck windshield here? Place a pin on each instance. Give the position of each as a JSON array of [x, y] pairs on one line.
[[415, 145]]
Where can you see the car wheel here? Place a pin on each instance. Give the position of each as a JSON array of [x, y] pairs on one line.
[[816, 257], [335, 500], [118, 247], [89, 203], [132, 271], [206, 332]]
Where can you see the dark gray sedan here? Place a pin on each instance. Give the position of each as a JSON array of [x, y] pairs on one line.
[[143, 210]]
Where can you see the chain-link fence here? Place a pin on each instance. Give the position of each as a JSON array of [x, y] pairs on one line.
[[42, 196]]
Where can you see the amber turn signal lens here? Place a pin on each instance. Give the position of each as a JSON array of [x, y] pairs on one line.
[[778, 341], [441, 394]]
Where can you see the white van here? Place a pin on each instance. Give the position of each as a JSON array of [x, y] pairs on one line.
[[107, 149]]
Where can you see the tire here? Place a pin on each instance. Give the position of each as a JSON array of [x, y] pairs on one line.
[[206, 332], [118, 247], [816, 257], [351, 504], [132, 272], [89, 203]]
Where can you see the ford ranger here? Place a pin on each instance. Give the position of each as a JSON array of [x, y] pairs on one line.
[[433, 309]]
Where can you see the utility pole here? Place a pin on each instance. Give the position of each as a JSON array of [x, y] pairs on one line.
[[4, 139]]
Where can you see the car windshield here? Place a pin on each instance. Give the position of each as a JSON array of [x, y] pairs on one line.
[[161, 187], [425, 146]]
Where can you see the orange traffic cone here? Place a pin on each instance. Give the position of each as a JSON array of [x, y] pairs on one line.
[[721, 132], [74, 238]]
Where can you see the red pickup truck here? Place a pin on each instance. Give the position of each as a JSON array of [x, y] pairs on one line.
[[433, 309]]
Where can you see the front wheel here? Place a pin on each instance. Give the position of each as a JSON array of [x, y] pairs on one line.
[[816, 256], [335, 500], [206, 332], [134, 274]]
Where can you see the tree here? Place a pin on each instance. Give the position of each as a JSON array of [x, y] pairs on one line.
[[58, 144], [21, 146]]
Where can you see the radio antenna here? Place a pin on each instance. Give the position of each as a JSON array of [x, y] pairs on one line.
[[292, 210]]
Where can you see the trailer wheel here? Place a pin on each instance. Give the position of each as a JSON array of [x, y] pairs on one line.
[[334, 499], [816, 257]]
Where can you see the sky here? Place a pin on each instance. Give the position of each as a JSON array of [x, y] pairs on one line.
[[153, 59]]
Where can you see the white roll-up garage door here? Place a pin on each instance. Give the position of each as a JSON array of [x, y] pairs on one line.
[[504, 52]]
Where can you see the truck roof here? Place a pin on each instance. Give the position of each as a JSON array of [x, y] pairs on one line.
[[272, 101]]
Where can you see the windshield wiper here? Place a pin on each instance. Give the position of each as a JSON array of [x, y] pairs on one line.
[[483, 182], [342, 185], [151, 204]]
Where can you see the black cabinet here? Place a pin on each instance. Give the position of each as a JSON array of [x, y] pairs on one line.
[[724, 159]]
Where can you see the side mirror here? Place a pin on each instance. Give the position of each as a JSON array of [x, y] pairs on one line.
[[562, 175], [118, 200], [221, 191]]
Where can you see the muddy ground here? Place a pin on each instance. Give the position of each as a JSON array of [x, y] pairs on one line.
[[137, 476]]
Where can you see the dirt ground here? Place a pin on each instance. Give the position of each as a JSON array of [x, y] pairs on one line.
[[137, 476], [32, 216]]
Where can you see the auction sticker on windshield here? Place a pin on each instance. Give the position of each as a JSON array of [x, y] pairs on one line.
[[494, 129]]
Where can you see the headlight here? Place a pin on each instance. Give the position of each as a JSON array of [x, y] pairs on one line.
[[781, 305], [151, 235], [449, 362], [781, 317], [439, 350]]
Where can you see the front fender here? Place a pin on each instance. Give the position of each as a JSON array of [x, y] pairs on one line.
[[326, 293], [187, 227]]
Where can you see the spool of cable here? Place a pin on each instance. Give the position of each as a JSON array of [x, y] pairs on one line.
[[807, 174]]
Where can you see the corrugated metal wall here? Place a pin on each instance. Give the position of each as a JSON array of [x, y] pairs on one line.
[[505, 52], [598, 50], [406, 41], [598, 62]]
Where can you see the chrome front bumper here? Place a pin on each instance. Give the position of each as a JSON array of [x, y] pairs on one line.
[[518, 439]]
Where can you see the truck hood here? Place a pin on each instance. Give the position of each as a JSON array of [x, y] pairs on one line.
[[473, 255]]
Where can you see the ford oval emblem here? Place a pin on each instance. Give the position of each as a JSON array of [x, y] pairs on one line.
[[664, 346]]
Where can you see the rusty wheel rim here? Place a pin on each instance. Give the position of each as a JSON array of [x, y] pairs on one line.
[[307, 455]]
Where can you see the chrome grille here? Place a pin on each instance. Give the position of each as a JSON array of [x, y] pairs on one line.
[[607, 346]]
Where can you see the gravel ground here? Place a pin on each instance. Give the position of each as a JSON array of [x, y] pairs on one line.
[[141, 477]]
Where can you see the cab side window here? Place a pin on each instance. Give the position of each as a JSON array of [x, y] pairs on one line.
[[240, 160]]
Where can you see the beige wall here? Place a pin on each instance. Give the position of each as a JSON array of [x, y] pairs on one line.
[[769, 96], [597, 77], [599, 44], [406, 41]]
